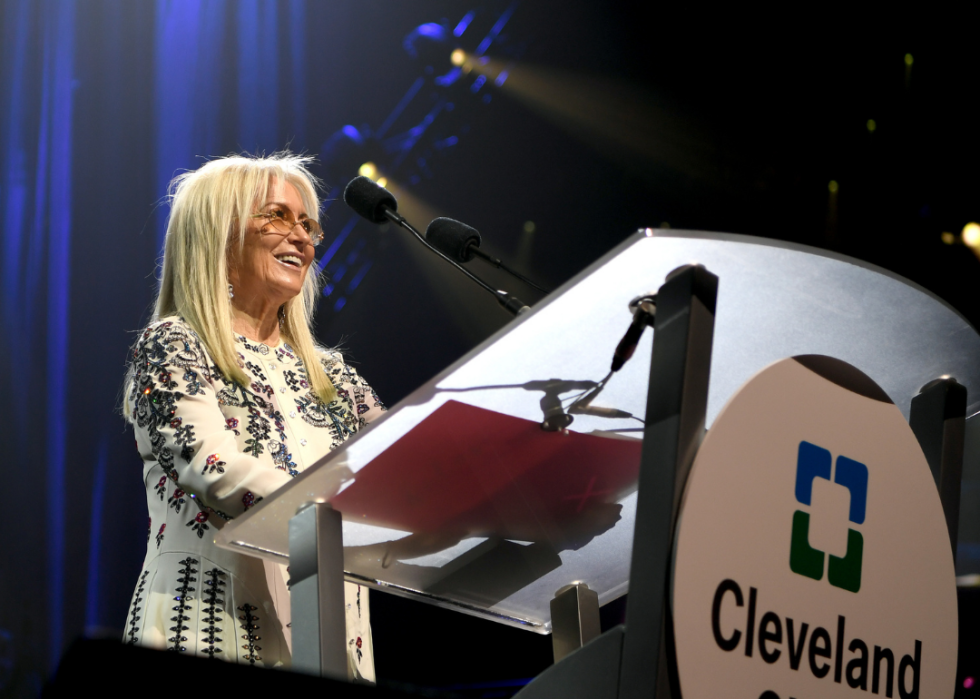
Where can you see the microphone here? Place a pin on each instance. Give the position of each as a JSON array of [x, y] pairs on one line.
[[644, 310], [375, 203], [369, 199], [456, 239], [462, 243]]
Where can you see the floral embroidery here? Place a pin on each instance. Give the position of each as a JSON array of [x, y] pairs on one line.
[[256, 347], [283, 459], [133, 614], [182, 598], [184, 436], [235, 395], [161, 487], [213, 464], [176, 500], [149, 528], [153, 391], [291, 380], [335, 416], [170, 364], [249, 626], [194, 386], [214, 581], [258, 427], [199, 524], [256, 371], [219, 513], [264, 389]]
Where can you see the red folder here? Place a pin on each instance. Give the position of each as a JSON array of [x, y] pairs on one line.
[[468, 471]]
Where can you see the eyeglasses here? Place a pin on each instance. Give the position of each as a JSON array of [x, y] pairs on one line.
[[284, 226]]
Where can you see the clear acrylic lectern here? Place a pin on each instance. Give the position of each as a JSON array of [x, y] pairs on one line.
[[460, 498]]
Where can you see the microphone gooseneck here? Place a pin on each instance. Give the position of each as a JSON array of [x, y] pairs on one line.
[[462, 243], [375, 203]]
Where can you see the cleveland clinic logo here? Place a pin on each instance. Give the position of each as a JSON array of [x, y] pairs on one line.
[[844, 572]]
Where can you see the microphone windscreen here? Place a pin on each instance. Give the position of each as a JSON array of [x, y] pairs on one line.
[[369, 199], [453, 238]]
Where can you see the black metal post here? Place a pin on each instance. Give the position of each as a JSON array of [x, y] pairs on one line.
[[676, 405], [938, 419]]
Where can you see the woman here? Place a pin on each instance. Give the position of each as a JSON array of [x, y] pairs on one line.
[[230, 397]]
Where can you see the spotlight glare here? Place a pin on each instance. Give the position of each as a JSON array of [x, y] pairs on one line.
[[908, 60], [948, 238], [368, 170], [382, 181], [529, 227], [832, 187], [871, 125], [971, 235], [457, 57]]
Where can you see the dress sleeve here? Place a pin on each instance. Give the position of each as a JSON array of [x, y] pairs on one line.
[[353, 388], [179, 424]]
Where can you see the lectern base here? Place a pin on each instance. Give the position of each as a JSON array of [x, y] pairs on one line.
[[591, 672]]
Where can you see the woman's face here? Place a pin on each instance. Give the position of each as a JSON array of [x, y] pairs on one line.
[[270, 267]]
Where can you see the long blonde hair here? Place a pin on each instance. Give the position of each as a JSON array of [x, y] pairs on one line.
[[205, 205]]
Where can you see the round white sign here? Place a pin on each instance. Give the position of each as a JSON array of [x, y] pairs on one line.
[[812, 555]]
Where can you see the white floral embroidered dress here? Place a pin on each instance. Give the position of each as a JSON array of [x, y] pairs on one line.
[[211, 449]]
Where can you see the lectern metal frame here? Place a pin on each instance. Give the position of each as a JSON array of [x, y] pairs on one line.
[[775, 300], [641, 654]]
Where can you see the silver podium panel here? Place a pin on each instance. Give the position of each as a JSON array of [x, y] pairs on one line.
[[459, 498]]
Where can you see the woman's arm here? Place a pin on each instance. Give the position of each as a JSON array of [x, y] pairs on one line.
[[351, 386], [179, 424]]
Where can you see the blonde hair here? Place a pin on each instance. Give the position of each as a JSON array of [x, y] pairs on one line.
[[205, 205]]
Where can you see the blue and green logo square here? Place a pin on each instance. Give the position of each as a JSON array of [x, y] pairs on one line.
[[815, 462]]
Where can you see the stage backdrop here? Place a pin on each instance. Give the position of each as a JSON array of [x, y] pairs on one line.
[[550, 138]]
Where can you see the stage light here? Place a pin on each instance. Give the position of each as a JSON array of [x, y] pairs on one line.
[[871, 125], [382, 181], [529, 227], [457, 57], [908, 60], [832, 187], [369, 170], [968, 682], [948, 238], [971, 235], [614, 116]]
